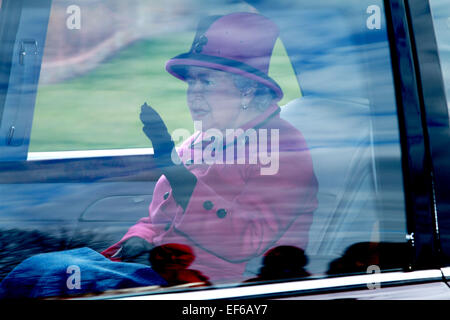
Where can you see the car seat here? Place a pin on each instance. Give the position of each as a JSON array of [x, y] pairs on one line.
[[335, 116], [338, 134]]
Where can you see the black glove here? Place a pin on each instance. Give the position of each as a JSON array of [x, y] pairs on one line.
[[181, 180], [136, 250], [156, 130]]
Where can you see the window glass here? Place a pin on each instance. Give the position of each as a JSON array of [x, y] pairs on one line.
[[441, 19], [288, 163]]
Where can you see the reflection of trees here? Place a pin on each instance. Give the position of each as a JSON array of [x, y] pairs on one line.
[[288, 262], [359, 256], [283, 262], [108, 26]]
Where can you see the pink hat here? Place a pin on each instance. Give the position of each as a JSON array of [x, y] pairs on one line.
[[240, 43]]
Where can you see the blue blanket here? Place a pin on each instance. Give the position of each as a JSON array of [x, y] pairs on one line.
[[74, 272]]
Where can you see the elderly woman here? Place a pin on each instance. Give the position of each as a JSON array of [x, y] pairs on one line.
[[209, 218], [228, 212]]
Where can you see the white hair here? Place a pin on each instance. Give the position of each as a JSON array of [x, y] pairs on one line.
[[263, 96]]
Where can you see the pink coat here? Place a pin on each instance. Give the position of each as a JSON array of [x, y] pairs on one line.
[[235, 213]]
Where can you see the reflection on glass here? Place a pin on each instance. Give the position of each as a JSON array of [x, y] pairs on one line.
[[440, 10], [275, 183], [282, 263], [360, 256]]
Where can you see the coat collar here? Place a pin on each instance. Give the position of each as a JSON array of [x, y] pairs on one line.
[[272, 111]]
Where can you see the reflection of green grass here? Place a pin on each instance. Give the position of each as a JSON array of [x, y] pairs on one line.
[[100, 110]]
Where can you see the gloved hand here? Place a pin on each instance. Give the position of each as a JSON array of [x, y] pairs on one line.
[[181, 180], [156, 130], [136, 250]]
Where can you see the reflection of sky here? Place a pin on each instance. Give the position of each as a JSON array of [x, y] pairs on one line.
[[343, 68], [334, 53], [440, 10]]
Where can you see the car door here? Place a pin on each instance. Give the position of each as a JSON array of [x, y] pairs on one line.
[[434, 66], [81, 172]]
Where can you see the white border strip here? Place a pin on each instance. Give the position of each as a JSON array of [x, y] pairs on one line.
[[446, 272], [287, 287], [34, 156]]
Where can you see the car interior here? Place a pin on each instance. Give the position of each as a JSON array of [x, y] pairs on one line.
[[351, 130]]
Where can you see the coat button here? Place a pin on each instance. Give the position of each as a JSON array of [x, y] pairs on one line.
[[221, 213], [166, 195], [208, 205]]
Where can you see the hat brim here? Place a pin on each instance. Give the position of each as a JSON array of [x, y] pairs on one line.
[[177, 67]]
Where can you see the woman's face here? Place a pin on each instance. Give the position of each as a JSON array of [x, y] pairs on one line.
[[213, 98]]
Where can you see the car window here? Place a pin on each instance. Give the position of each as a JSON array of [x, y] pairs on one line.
[[288, 163], [440, 11]]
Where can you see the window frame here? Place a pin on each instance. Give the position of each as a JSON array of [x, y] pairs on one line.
[[417, 170], [280, 289], [24, 31], [9, 24], [436, 119]]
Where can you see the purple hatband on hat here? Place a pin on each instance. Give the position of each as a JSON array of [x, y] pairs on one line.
[[240, 43]]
